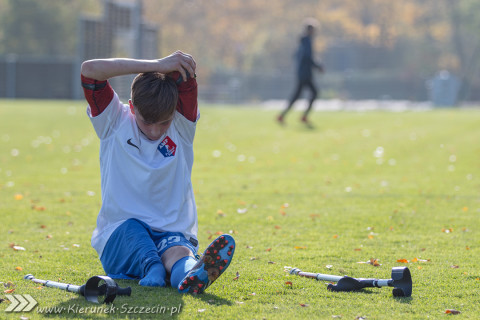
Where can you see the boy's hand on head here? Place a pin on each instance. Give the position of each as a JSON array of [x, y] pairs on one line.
[[178, 61]]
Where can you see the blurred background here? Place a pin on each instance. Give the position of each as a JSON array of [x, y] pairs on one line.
[[414, 50]]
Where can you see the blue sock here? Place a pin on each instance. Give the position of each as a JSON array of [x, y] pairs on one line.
[[155, 276], [180, 270]]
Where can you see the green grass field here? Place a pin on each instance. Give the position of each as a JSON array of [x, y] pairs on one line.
[[361, 186]]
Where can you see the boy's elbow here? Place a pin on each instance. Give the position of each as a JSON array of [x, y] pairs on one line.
[[87, 69], [90, 70]]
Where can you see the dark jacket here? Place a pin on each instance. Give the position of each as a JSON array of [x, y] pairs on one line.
[[304, 57]]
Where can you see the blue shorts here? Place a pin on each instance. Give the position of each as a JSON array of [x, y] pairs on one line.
[[134, 246], [166, 240]]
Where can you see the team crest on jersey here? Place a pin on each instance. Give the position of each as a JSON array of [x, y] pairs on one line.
[[167, 147]]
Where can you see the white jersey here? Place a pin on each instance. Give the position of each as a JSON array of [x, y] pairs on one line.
[[144, 179]]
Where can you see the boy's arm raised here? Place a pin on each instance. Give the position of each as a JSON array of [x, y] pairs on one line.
[[104, 69], [95, 73], [187, 103]]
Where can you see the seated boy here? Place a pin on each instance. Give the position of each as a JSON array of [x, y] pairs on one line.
[[147, 225]]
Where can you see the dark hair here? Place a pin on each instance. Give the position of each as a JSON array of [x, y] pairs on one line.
[[310, 24], [154, 96]]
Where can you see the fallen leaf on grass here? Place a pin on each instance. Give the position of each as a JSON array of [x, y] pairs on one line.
[[335, 236], [357, 249], [278, 227], [9, 290], [19, 268], [271, 262], [372, 261], [269, 249], [18, 196], [454, 266], [447, 230], [421, 260], [452, 311], [216, 233], [289, 283], [220, 213], [300, 247], [304, 305], [414, 260]]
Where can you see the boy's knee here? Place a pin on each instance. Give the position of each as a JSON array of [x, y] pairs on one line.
[[131, 224], [173, 254]]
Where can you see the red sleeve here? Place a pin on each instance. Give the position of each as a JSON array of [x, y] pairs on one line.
[[187, 96], [99, 94]]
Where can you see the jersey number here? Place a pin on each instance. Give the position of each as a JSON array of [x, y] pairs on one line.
[[167, 241]]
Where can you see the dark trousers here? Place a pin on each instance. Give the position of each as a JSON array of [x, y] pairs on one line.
[[306, 83]]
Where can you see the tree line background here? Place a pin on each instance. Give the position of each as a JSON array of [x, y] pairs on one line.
[[409, 39]]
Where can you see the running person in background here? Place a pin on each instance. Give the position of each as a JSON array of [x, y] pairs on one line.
[[147, 224], [305, 65]]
